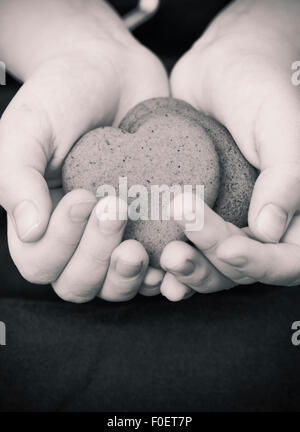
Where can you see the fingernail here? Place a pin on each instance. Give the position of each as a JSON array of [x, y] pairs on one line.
[[80, 211], [183, 269], [154, 277], [111, 226], [26, 217], [235, 260], [271, 222], [112, 214], [128, 269]]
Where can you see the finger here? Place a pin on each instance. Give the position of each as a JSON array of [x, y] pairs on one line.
[[129, 262], [152, 282], [193, 269], [276, 194], [43, 261], [174, 290], [24, 152], [276, 264], [208, 237], [84, 275]]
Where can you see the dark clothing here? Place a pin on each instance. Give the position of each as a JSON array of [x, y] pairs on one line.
[[227, 351]]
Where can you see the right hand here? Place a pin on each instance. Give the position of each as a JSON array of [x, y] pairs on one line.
[[54, 238], [239, 73]]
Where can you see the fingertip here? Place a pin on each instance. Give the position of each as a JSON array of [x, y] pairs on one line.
[[111, 208], [133, 251], [154, 276], [79, 204], [187, 209], [174, 290], [27, 220], [152, 282], [111, 213], [270, 223], [171, 252], [127, 268], [30, 220], [26, 198], [275, 199], [128, 264], [178, 257], [129, 260]]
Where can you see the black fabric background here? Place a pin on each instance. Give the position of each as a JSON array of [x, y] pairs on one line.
[[227, 351]]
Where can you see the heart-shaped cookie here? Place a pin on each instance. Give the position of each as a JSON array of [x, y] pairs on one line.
[[164, 141]]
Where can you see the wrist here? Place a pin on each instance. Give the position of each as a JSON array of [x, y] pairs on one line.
[[253, 29], [257, 23], [37, 31]]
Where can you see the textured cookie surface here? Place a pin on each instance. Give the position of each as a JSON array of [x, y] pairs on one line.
[[167, 148], [164, 141], [237, 176]]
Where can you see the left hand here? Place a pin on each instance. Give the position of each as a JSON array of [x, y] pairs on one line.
[[81, 69]]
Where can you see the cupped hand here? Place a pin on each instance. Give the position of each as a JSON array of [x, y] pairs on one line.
[[59, 239], [222, 256], [239, 72]]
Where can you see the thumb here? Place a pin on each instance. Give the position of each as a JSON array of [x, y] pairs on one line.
[[275, 199], [261, 109], [276, 195], [24, 153]]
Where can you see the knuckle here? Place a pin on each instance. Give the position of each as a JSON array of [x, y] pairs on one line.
[[201, 279], [64, 238], [100, 255], [102, 259]]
